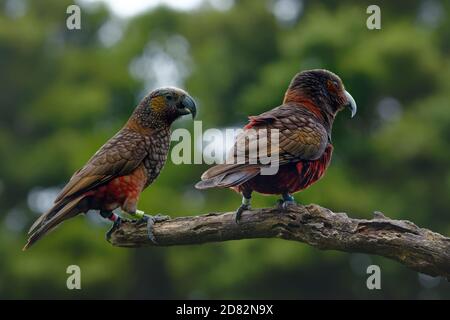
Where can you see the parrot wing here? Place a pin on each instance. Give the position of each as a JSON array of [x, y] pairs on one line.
[[301, 137], [121, 155]]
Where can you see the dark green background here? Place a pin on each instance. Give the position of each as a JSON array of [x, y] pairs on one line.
[[64, 93]]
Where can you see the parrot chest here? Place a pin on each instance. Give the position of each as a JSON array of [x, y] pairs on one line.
[[125, 190], [291, 177], [119, 190], [158, 145]]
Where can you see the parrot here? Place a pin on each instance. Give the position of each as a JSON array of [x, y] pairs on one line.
[[304, 123], [123, 167]]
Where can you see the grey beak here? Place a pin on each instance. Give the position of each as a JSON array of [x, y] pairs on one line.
[[188, 105], [351, 104]]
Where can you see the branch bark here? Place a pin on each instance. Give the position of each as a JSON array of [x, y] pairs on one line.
[[401, 240]]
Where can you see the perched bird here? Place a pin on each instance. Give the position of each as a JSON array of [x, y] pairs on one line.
[[123, 167], [304, 122]]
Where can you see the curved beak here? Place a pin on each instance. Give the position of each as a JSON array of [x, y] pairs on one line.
[[351, 104], [187, 106]]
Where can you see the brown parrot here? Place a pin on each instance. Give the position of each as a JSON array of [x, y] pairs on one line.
[[303, 123], [123, 167]]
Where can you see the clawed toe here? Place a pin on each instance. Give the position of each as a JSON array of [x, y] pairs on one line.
[[150, 220], [160, 217], [239, 211], [285, 205], [286, 202], [279, 204], [114, 227]]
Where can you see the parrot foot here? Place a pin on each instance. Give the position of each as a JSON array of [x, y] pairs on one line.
[[114, 227], [286, 202], [107, 214], [246, 200], [151, 220], [239, 211]]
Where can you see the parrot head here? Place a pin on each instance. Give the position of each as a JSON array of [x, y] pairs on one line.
[[321, 89], [163, 106]]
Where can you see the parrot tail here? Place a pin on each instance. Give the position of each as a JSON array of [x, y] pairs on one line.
[[48, 221], [227, 175]]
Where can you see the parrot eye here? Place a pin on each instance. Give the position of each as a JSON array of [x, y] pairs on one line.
[[332, 85], [169, 97]]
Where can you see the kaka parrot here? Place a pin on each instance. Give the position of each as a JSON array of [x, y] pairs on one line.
[[123, 167], [303, 123]]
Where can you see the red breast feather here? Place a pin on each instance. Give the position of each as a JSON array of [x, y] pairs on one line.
[[291, 177], [118, 191]]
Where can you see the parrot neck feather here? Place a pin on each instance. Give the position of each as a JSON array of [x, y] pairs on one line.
[[134, 125], [325, 118]]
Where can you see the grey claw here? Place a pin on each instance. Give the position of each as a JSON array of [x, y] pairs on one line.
[[151, 222], [279, 204], [287, 204], [151, 235], [115, 225], [239, 212], [284, 205], [160, 217]]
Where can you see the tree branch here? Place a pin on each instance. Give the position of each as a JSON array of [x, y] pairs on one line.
[[401, 240]]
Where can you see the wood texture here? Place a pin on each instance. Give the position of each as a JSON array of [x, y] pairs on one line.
[[401, 240]]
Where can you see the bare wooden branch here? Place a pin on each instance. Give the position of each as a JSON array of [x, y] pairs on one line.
[[401, 240]]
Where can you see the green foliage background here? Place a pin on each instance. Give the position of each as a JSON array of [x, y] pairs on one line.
[[64, 93]]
